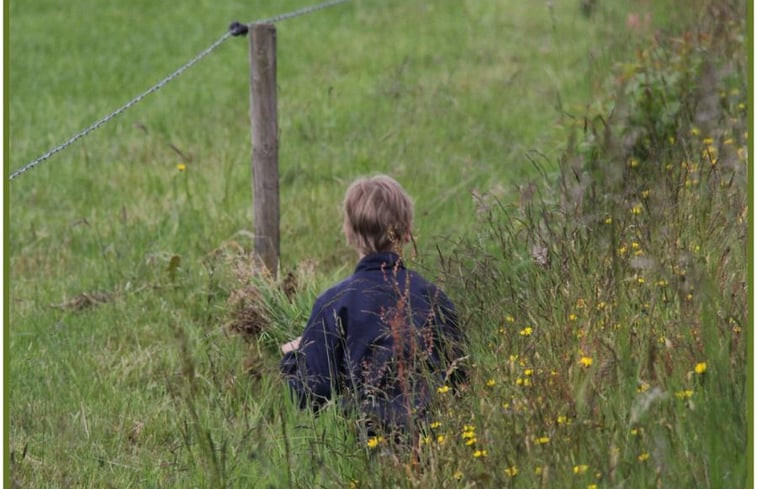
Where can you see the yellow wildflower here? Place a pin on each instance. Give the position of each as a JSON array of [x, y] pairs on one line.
[[458, 475], [440, 439], [538, 470], [511, 471], [491, 383], [580, 469], [608, 220], [586, 361], [542, 440], [509, 318], [637, 209], [700, 368], [684, 394], [443, 389], [471, 441], [643, 457], [572, 317], [479, 453], [373, 441], [526, 331], [436, 424], [181, 167], [528, 371], [562, 419], [591, 486]]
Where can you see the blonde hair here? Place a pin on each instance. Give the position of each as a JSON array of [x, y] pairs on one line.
[[378, 215]]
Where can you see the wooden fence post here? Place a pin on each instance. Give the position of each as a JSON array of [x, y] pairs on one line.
[[265, 144]]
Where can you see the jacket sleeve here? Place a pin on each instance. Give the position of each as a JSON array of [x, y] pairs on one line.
[[313, 370], [451, 342]]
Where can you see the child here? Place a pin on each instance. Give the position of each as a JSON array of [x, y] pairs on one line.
[[384, 339]]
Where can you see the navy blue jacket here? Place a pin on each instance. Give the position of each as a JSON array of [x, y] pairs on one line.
[[384, 338]]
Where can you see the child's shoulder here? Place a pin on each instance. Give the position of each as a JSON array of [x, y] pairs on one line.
[[334, 290], [419, 279], [338, 290]]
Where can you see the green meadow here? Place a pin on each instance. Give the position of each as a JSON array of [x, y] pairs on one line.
[[579, 171]]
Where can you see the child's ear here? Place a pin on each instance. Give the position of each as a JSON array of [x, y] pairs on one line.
[[408, 236]]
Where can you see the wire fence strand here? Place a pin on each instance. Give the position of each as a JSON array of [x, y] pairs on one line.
[[121, 109], [297, 13], [166, 80]]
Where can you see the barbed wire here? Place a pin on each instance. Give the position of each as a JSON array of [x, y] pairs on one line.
[[235, 29]]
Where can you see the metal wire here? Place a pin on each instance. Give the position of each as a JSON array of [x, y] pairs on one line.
[[121, 109], [297, 13], [164, 81]]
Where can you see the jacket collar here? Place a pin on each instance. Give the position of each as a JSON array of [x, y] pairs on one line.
[[379, 261]]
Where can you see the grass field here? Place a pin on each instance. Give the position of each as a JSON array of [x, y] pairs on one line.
[[580, 188]]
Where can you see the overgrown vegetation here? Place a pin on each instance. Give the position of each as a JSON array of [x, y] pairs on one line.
[[609, 308], [605, 301]]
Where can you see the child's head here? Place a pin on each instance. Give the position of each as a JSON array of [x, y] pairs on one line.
[[378, 215]]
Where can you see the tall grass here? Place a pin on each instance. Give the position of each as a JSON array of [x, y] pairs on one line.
[[582, 201], [609, 315]]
